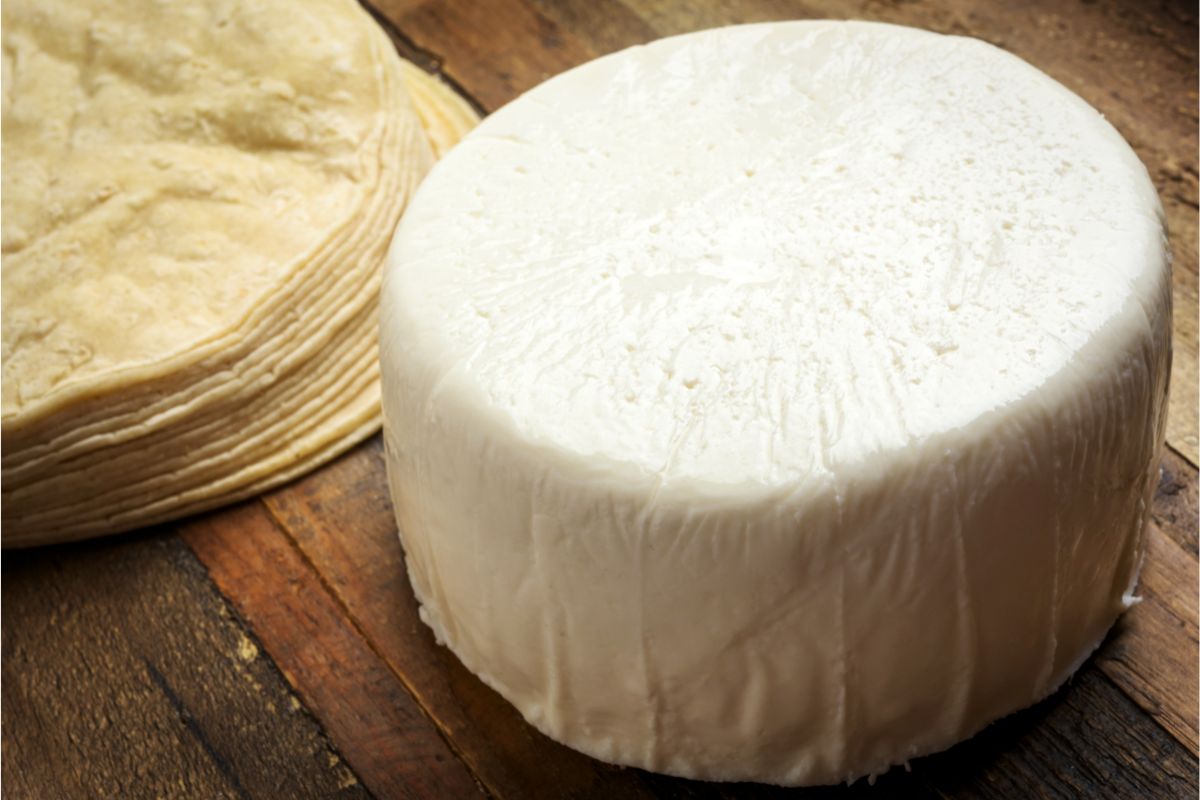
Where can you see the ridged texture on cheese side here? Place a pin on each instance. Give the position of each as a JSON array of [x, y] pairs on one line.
[[790, 450]]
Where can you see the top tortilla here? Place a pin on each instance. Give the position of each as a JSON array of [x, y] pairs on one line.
[[167, 167]]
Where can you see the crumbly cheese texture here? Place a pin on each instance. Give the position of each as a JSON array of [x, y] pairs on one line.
[[778, 402]]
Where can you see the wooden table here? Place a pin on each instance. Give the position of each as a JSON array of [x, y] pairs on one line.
[[273, 649]]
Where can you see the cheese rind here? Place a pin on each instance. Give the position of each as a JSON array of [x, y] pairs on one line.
[[778, 402]]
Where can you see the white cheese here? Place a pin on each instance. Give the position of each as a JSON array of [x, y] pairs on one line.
[[778, 402]]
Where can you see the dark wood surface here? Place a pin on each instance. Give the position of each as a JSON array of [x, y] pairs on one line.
[[273, 649]]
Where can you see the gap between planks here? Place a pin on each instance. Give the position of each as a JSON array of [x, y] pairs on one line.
[[352, 621], [1182, 455], [229, 541], [424, 58]]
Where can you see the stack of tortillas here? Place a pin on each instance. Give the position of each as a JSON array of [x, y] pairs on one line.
[[197, 199]]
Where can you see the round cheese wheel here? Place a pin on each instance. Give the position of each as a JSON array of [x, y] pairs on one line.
[[778, 402]]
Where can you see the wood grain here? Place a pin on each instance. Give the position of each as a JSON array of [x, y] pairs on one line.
[[1151, 655], [126, 675], [366, 711], [1176, 507], [493, 49], [1087, 740]]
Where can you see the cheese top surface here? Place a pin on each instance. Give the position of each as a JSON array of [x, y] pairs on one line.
[[759, 254]]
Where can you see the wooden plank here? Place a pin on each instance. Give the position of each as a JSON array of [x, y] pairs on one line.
[[604, 25], [1087, 740], [1176, 507], [125, 675], [494, 49], [366, 711], [1151, 655], [424, 59]]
